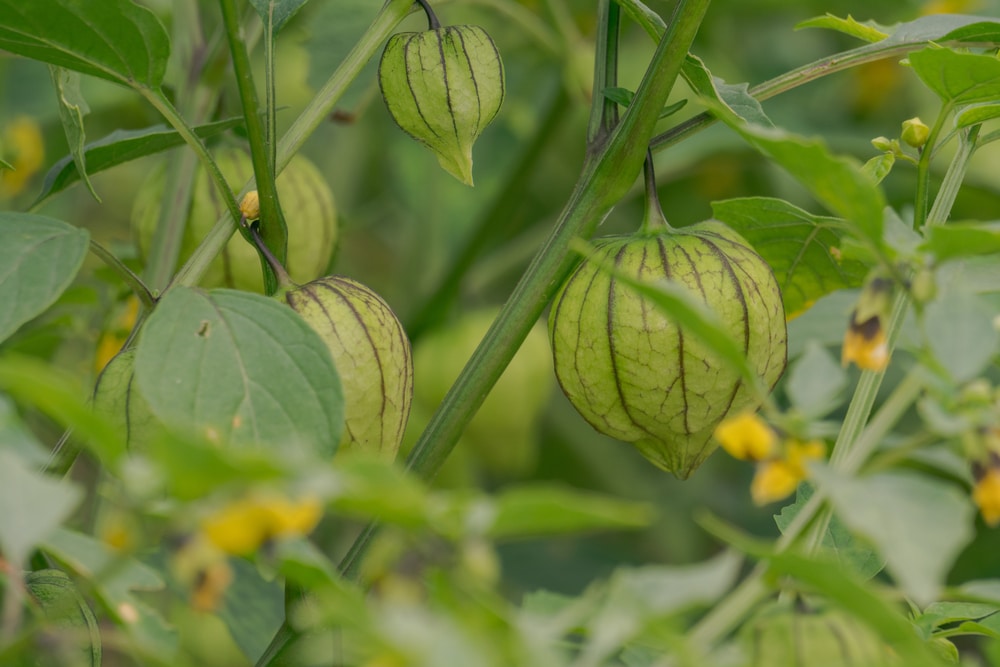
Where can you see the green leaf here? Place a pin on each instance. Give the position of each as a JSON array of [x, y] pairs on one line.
[[116, 40], [958, 78], [115, 579], [963, 239], [72, 108], [849, 26], [942, 613], [119, 147], [16, 437], [32, 506], [878, 167], [958, 328], [39, 258], [976, 113], [799, 246], [56, 392], [637, 597], [736, 98], [240, 368], [815, 382], [525, 511], [838, 182], [252, 608], [918, 524], [838, 544], [276, 12]]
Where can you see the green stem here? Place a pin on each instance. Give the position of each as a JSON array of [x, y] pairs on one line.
[[953, 178], [273, 229], [312, 116], [604, 112], [603, 182], [135, 282], [922, 197]]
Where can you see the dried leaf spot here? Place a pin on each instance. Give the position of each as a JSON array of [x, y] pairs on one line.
[[204, 329]]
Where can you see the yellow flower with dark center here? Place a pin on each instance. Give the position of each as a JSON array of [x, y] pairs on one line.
[[986, 495], [24, 149], [865, 344], [243, 526], [746, 437]]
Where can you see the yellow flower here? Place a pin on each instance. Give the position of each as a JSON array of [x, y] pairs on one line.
[[986, 495], [210, 585], [746, 437], [777, 479], [865, 344], [24, 149], [243, 526]]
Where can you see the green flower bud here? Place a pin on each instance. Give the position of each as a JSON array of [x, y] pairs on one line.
[[915, 132], [443, 87]]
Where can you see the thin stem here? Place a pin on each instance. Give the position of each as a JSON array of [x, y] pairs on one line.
[[432, 19], [135, 282], [922, 198], [312, 116], [604, 112], [274, 229], [653, 220], [953, 178]]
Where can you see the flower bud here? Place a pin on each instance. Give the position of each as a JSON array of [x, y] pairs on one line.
[[915, 132], [443, 87]]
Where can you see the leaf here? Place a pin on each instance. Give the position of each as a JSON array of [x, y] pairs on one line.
[[549, 510], [72, 108], [815, 382], [116, 40], [16, 437], [837, 182], [838, 543], [119, 147], [276, 12], [252, 608], [963, 239], [878, 167], [32, 506], [958, 78], [115, 579], [918, 524], [240, 368], [849, 26], [734, 97], [799, 246], [959, 331], [976, 114], [39, 258], [637, 597]]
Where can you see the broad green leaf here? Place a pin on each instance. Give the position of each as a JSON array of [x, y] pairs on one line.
[[252, 608], [637, 597], [39, 258], [116, 40], [526, 511], [72, 108], [974, 29], [849, 26], [944, 28], [838, 182], [976, 113], [800, 247], [958, 78], [734, 97], [958, 328], [276, 12], [56, 392], [115, 579], [239, 368], [963, 239], [32, 506], [119, 147], [918, 524], [815, 382], [852, 554]]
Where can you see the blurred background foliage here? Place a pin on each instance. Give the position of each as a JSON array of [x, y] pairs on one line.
[[404, 221]]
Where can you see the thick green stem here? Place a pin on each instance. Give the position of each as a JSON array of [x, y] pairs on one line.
[[273, 229], [311, 117], [607, 178]]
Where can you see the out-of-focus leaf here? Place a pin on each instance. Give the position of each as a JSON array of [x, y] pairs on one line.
[[838, 544], [252, 608], [32, 506], [276, 12], [976, 113], [525, 511], [918, 524], [849, 26], [39, 258], [963, 239], [800, 247], [958, 327], [119, 147], [815, 382], [116, 40]]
